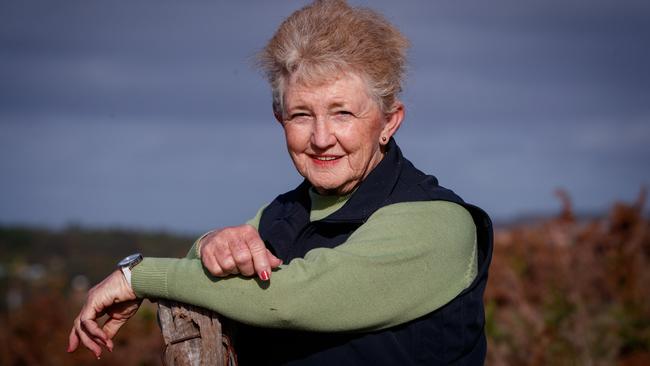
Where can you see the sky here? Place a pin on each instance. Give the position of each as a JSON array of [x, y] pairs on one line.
[[151, 115]]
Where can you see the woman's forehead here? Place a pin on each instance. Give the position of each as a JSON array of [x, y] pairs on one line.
[[343, 88]]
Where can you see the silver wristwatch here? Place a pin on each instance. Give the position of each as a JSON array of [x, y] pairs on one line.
[[126, 264]]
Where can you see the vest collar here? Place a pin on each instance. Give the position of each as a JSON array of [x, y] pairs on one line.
[[373, 191]]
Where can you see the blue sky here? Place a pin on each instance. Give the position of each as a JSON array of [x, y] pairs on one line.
[[149, 114]]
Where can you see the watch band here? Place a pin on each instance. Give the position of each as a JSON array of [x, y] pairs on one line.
[[127, 274], [127, 264]]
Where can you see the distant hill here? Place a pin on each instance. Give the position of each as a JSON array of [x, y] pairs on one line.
[[75, 250]]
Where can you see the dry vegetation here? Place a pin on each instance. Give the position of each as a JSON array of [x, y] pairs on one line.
[[562, 291], [572, 292]]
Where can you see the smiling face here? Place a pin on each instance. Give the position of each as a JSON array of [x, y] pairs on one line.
[[335, 132]]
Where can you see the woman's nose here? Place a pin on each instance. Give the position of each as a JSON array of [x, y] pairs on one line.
[[322, 135]]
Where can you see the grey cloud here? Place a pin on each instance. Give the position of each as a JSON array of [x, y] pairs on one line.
[[149, 113]]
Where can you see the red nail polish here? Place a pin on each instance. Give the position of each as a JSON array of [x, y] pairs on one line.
[[264, 276]]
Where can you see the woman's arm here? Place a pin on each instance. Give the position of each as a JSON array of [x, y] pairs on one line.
[[407, 260]]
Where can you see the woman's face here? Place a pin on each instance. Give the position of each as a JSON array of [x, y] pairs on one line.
[[334, 132]]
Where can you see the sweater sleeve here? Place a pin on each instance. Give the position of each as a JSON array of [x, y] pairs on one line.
[[407, 260]]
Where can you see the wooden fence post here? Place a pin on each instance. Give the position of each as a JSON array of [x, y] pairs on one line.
[[193, 336]]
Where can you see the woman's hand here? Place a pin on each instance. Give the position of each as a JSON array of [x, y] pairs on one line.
[[114, 297], [237, 250]]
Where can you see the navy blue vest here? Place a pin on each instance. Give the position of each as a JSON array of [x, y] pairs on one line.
[[452, 334]]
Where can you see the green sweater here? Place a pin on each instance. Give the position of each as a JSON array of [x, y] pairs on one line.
[[407, 260]]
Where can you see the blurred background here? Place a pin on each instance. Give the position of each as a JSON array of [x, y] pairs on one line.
[[138, 125]]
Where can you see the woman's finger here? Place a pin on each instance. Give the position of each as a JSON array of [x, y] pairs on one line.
[[208, 260], [111, 327], [210, 256], [73, 340], [214, 266], [224, 258], [95, 348], [93, 330], [242, 256], [259, 253]]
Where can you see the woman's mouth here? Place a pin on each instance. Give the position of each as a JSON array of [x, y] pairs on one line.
[[325, 160]]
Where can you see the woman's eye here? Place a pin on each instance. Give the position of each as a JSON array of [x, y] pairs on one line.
[[298, 115]]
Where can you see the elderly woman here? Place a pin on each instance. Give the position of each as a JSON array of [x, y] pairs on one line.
[[382, 266]]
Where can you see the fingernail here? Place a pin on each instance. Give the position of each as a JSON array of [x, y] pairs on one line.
[[264, 276]]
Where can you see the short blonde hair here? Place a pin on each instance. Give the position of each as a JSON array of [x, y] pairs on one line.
[[327, 38]]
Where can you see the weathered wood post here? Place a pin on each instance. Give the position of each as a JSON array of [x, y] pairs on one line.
[[193, 336]]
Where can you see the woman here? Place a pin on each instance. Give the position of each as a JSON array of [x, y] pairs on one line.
[[382, 265]]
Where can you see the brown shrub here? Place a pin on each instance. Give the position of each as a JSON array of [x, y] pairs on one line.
[[568, 291]]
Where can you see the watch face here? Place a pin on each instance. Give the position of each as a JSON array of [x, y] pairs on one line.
[[130, 259]]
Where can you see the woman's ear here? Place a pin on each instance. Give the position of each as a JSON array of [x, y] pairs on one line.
[[393, 122]]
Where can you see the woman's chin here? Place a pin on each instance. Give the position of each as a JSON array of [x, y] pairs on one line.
[[325, 190], [330, 188]]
